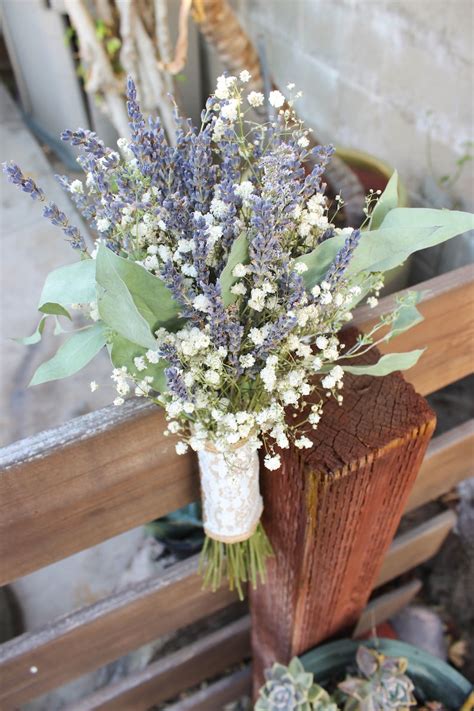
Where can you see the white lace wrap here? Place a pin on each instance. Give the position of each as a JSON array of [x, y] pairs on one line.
[[232, 504]]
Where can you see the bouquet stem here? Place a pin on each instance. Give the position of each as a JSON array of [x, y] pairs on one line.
[[242, 562]]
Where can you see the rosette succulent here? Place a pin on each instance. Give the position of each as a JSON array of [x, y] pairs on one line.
[[382, 686], [292, 689]]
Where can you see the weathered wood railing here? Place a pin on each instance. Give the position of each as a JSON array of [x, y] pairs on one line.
[[104, 473]]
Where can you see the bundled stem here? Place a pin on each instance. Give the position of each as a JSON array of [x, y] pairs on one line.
[[242, 562]]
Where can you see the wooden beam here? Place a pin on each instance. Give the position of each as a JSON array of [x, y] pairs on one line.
[[164, 679], [449, 460], [447, 332], [98, 475], [217, 695], [416, 546], [384, 606], [93, 636], [101, 474], [332, 512]]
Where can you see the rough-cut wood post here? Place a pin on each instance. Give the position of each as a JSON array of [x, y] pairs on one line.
[[331, 513]]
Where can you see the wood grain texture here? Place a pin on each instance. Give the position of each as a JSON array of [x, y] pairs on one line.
[[447, 332], [449, 460], [216, 696], [332, 512], [382, 607], [416, 546], [72, 487], [166, 678], [95, 635]]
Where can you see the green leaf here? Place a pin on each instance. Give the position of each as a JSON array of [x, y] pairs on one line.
[[387, 364], [116, 305], [72, 284], [152, 298], [54, 310], [239, 254], [73, 355], [403, 231], [407, 316], [123, 352], [35, 337], [387, 201]]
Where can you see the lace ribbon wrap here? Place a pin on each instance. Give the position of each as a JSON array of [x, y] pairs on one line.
[[231, 500]]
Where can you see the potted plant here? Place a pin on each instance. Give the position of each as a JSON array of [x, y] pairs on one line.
[[381, 675]]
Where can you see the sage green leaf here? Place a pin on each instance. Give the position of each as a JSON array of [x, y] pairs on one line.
[[36, 336], [71, 284], [72, 356], [407, 316], [54, 310], [387, 201], [115, 303], [123, 353], [403, 231], [387, 364], [239, 254], [152, 298]]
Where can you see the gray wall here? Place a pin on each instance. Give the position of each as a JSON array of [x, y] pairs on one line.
[[378, 75]]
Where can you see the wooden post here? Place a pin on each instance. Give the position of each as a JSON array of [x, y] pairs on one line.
[[331, 513]]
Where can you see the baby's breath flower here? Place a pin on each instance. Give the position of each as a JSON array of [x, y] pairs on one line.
[[276, 99], [255, 99], [93, 386], [272, 463]]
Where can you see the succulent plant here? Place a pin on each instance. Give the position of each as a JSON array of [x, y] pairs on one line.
[[292, 689], [383, 685]]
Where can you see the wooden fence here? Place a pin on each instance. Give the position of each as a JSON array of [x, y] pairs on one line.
[[70, 488]]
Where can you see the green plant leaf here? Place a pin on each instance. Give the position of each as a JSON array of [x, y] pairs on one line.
[[387, 364], [387, 201], [239, 254], [152, 298], [407, 316], [123, 352], [54, 310], [71, 284], [403, 231], [36, 336], [116, 305], [72, 356]]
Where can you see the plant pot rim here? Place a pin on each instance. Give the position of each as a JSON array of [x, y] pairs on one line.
[[434, 679], [353, 156]]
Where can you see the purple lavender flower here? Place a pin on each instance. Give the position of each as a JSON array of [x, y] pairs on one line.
[[342, 259], [28, 185]]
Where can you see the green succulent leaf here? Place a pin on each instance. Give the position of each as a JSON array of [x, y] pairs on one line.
[[402, 232], [71, 284], [239, 254], [73, 355], [387, 201], [387, 364], [123, 352]]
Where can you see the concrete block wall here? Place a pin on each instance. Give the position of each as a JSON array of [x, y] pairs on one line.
[[383, 76]]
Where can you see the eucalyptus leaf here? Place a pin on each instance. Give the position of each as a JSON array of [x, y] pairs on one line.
[[239, 254], [116, 306], [71, 284], [72, 356], [403, 231], [54, 310], [36, 336], [387, 364], [152, 298], [123, 353], [387, 201], [407, 316]]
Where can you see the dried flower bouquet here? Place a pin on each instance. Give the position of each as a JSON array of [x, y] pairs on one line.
[[218, 284]]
